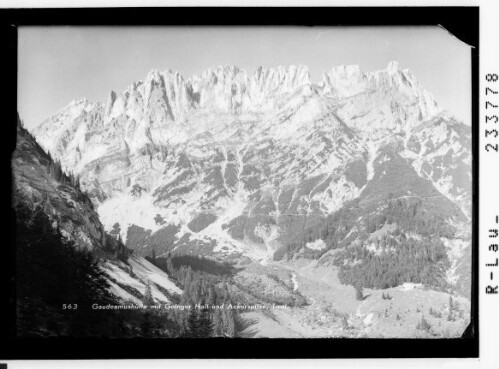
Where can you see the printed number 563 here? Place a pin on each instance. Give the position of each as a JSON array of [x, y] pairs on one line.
[[69, 306]]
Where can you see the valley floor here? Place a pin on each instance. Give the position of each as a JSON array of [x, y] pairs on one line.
[[332, 309]]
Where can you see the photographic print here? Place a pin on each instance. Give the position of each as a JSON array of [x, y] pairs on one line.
[[243, 182]]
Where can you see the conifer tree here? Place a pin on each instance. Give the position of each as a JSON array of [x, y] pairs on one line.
[[423, 325], [228, 323], [169, 264], [193, 329], [205, 324], [359, 294], [148, 300]]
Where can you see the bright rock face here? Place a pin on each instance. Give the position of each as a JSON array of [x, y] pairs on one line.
[[228, 163]]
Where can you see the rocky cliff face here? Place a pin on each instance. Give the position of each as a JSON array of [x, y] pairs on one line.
[[232, 164], [69, 208]]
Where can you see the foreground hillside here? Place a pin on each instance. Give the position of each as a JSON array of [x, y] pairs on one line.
[[65, 257]]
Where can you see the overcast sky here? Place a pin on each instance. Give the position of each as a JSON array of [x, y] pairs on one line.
[[60, 64]]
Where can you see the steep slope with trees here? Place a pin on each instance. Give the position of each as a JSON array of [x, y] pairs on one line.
[[66, 262]]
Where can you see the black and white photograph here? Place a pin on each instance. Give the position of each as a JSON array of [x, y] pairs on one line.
[[243, 182]]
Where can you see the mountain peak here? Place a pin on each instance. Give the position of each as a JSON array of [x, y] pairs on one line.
[[110, 101], [153, 75], [283, 70], [346, 70], [82, 101], [393, 66]]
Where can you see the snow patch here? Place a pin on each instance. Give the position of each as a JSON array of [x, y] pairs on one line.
[[147, 271], [316, 245], [368, 320], [410, 286], [294, 281]]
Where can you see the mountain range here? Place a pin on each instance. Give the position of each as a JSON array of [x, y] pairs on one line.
[[352, 172]]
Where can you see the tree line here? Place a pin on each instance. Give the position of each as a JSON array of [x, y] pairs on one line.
[[403, 258], [400, 258], [205, 282]]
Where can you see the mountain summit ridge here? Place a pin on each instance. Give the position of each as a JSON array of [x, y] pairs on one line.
[[166, 96], [227, 163], [280, 80]]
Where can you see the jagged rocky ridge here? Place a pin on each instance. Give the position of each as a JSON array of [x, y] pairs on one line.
[[236, 165]]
